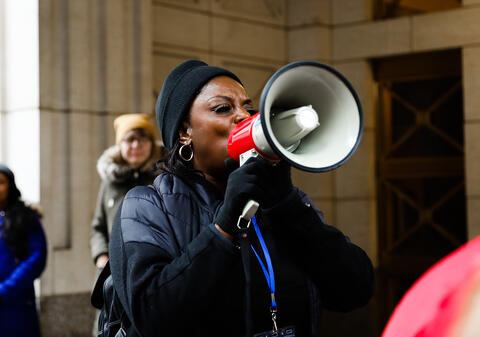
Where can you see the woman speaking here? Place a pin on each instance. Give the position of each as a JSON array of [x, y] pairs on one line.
[[174, 253]]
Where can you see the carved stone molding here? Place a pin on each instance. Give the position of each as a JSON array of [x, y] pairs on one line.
[[192, 4], [271, 11]]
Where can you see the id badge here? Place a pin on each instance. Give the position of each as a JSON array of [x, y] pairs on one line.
[[289, 331]]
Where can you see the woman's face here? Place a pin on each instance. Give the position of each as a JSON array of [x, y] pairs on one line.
[[136, 148], [3, 190], [220, 106]]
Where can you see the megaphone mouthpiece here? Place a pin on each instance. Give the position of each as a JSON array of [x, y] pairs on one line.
[[292, 125]]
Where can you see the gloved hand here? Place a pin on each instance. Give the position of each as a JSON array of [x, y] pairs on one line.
[[250, 181], [279, 184]]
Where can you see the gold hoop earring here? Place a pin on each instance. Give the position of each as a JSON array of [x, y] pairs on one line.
[[180, 152]]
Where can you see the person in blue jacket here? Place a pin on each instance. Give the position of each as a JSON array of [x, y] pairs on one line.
[[23, 254]]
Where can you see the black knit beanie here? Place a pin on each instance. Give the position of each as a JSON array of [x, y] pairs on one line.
[[179, 90]]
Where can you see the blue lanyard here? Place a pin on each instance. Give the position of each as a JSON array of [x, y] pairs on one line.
[[269, 276]]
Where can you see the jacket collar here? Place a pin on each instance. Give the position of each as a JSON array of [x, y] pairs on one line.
[[111, 170]]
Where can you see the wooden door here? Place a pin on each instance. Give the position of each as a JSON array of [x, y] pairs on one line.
[[421, 187]]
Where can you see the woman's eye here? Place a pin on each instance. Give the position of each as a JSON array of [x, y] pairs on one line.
[[222, 109], [251, 111]]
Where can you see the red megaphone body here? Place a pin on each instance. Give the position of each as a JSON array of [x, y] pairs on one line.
[[247, 136]]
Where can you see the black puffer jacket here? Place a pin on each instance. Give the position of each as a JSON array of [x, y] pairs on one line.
[[176, 275]]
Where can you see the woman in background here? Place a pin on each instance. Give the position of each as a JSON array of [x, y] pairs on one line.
[[128, 163], [23, 253]]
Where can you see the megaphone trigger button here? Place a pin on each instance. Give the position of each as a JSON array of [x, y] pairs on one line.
[[308, 205]]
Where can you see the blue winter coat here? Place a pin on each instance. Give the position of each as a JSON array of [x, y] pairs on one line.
[[18, 314]]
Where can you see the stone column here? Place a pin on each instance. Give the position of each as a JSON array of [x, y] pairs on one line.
[[471, 85], [355, 181], [309, 32], [347, 195], [355, 185], [309, 37], [95, 63]]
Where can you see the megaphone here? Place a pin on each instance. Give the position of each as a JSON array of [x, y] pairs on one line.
[[310, 116]]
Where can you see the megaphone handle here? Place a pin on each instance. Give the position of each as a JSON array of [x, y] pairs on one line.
[[247, 155], [251, 206], [248, 212], [250, 209]]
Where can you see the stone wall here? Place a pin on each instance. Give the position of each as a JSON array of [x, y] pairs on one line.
[[102, 58]]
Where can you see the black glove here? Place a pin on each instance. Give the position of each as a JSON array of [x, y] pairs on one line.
[[231, 165], [279, 184], [250, 181]]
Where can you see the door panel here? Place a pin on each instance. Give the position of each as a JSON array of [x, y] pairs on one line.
[[420, 163]]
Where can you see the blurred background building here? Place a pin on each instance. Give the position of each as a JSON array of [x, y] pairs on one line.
[[408, 196]]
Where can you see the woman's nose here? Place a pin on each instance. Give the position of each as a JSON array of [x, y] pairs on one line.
[[241, 115]]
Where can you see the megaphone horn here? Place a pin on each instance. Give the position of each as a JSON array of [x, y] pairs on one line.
[[310, 116]]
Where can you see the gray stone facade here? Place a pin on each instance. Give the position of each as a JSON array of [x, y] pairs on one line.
[[101, 58]]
